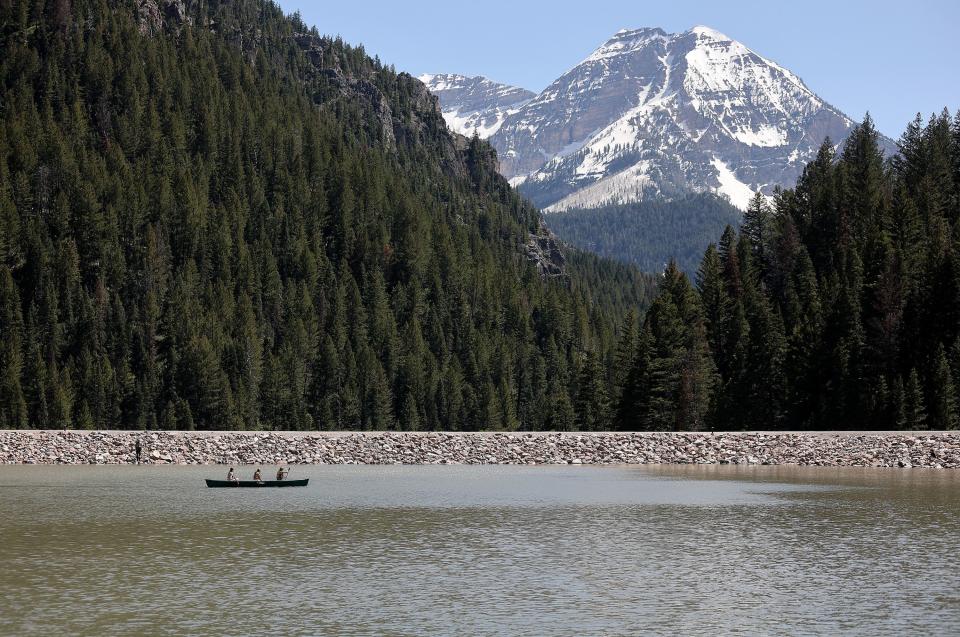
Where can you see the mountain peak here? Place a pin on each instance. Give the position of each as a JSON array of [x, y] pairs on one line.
[[626, 41], [441, 81], [623, 34], [482, 104], [709, 34]]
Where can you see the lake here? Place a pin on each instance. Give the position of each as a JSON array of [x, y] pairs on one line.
[[365, 550]]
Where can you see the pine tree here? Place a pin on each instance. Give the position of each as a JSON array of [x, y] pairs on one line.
[[954, 358], [898, 407], [757, 228], [955, 151], [915, 403], [714, 297], [632, 412], [679, 375], [13, 405], [815, 213], [944, 406], [626, 352], [378, 399], [861, 182], [909, 161], [562, 416], [593, 403]]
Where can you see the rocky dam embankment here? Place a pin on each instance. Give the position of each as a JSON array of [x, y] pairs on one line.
[[921, 449]]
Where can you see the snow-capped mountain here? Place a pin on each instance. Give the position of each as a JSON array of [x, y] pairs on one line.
[[475, 104], [652, 113]]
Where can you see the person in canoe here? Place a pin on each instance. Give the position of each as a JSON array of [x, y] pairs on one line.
[[281, 474], [232, 476], [257, 476]]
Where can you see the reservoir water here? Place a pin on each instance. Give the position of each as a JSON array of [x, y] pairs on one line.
[[673, 550]]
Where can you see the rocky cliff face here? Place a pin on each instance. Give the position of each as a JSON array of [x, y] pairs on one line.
[[653, 113], [476, 104], [152, 14], [546, 253]]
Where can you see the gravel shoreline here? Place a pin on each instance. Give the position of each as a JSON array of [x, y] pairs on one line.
[[939, 450]]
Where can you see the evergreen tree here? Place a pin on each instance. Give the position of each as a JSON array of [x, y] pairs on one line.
[[626, 352], [633, 408], [944, 405], [674, 374], [716, 301], [757, 228], [593, 403], [13, 405], [915, 403]]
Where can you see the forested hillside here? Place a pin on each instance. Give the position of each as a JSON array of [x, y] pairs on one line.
[[837, 307], [211, 217], [648, 233]]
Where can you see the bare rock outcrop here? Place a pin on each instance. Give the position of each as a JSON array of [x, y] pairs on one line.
[[543, 249], [153, 14]]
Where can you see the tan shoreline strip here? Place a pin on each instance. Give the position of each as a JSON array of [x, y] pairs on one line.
[[858, 449]]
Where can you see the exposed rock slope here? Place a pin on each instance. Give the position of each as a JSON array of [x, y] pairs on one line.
[[476, 104]]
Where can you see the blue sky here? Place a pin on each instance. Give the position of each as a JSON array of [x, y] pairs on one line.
[[891, 58]]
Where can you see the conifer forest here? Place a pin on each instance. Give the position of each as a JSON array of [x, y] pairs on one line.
[[213, 217]]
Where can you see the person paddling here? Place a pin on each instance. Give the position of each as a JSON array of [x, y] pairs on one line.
[[257, 475], [281, 474], [232, 478]]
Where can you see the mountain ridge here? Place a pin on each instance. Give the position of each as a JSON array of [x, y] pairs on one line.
[[473, 96], [653, 113]]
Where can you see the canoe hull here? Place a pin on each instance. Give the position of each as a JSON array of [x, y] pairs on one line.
[[216, 484]]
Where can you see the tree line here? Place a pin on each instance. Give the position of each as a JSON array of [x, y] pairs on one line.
[[835, 306]]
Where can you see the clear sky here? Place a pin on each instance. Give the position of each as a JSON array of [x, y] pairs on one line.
[[890, 57]]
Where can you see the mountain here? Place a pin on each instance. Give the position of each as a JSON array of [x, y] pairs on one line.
[[653, 113], [213, 217], [476, 104]]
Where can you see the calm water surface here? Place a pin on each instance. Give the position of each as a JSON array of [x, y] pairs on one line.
[[481, 551]]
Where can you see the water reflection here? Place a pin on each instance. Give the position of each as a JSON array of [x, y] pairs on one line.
[[481, 550]]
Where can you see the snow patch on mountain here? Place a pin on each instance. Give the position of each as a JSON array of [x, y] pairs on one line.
[[765, 135], [735, 190], [708, 33], [482, 123]]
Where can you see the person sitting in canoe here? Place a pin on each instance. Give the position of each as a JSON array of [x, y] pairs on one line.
[[232, 476], [281, 474], [257, 476]]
